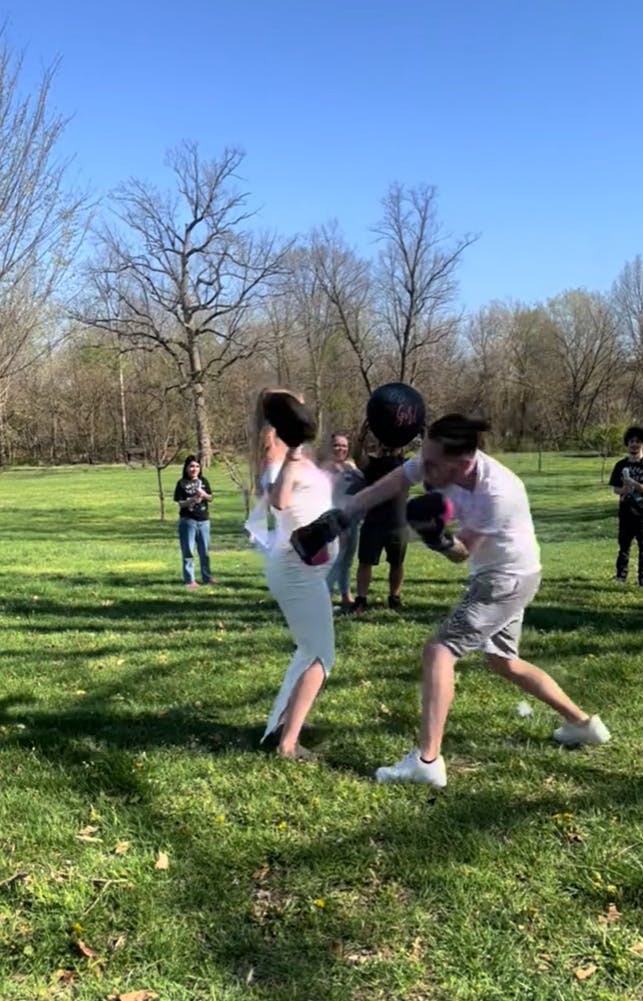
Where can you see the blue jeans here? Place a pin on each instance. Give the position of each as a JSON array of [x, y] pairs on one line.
[[191, 532], [340, 572]]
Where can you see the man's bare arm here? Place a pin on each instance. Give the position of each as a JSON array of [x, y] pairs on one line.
[[394, 484]]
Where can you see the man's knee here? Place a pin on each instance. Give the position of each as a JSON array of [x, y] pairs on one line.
[[506, 666], [434, 650]]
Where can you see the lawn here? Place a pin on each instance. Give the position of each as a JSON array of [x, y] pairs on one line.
[[149, 848]]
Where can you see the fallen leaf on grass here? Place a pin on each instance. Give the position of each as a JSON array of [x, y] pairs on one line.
[[88, 833], [121, 847], [585, 972], [613, 915], [358, 958], [636, 949], [134, 996], [162, 861], [17, 876], [64, 977], [86, 950]]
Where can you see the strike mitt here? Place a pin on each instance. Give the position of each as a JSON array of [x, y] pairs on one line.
[[396, 414], [292, 420]]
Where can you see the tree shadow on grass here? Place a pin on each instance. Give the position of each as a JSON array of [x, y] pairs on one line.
[[574, 524], [254, 898], [59, 732], [136, 613], [596, 621], [408, 849]]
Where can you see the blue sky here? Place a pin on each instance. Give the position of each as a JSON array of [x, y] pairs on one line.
[[526, 115]]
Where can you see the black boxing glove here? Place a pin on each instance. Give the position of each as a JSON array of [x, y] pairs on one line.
[[429, 515], [310, 540]]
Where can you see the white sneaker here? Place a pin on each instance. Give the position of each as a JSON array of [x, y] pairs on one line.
[[593, 731], [412, 769]]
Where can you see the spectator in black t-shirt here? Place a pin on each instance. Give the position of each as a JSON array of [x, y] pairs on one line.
[[383, 528], [627, 482], [193, 494]]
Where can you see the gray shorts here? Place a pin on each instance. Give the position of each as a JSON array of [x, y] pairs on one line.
[[489, 617]]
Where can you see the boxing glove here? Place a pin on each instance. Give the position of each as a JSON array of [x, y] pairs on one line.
[[309, 540], [428, 515]]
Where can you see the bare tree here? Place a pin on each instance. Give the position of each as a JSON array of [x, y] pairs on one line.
[[42, 221], [416, 274], [314, 325], [627, 300], [588, 354], [486, 334], [345, 279], [627, 304], [182, 273]]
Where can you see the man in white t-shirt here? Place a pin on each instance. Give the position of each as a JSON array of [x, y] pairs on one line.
[[496, 534]]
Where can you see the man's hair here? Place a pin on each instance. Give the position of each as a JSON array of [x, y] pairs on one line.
[[458, 435], [633, 432]]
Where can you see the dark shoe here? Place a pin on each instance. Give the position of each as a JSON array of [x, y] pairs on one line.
[[395, 602], [359, 605]]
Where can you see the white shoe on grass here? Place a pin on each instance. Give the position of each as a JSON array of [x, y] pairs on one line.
[[592, 731], [411, 768]]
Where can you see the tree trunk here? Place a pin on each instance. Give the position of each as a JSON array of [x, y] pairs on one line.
[[159, 484], [53, 451], [92, 440], [318, 405], [204, 444], [121, 398], [203, 435], [3, 446]]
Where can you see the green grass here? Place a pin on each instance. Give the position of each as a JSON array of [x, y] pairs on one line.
[[130, 713]]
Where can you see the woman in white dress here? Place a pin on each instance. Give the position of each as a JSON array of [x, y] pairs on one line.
[[299, 494]]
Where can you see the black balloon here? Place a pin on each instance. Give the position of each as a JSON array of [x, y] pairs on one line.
[[396, 414]]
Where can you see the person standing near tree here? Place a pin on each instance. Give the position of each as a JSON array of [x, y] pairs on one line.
[[347, 480], [627, 482], [193, 495], [383, 530]]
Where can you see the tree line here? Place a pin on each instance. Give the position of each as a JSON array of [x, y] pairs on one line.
[[142, 327]]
